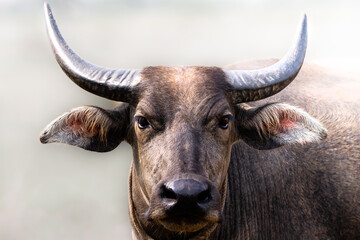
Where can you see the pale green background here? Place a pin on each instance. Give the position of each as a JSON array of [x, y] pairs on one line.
[[58, 192]]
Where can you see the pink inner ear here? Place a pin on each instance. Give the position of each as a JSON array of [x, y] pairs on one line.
[[287, 123], [76, 126], [81, 128]]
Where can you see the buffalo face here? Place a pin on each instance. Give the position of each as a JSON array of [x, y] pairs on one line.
[[181, 138]]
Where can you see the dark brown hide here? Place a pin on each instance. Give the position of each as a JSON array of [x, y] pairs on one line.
[[308, 191]]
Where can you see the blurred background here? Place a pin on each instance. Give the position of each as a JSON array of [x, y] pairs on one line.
[[61, 192]]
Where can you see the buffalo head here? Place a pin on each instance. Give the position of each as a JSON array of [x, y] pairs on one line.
[[181, 123]]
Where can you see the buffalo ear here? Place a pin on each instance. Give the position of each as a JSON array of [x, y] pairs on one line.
[[89, 127], [277, 124]]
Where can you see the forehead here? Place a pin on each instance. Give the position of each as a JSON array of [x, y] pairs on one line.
[[195, 92], [182, 85], [184, 75]]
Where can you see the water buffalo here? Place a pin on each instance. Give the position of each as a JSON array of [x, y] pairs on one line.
[[210, 162]]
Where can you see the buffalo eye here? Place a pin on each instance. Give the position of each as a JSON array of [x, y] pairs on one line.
[[224, 122], [143, 123]]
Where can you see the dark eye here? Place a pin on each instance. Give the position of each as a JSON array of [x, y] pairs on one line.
[[143, 123], [224, 122]]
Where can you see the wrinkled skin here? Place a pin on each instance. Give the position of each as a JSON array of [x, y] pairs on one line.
[[307, 191]]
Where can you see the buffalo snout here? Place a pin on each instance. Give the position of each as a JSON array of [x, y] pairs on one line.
[[185, 204]]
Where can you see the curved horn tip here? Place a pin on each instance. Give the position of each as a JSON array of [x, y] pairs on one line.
[[304, 20], [304, 17], [48, 13], [47, 7], [303, 25]]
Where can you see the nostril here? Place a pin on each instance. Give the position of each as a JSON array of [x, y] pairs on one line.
[[204, 197], [167, 193]]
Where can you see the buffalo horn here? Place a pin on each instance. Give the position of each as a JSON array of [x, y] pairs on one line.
[[252, 85], [114, 84]]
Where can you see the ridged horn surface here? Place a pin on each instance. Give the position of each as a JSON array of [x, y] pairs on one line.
[[252, 85], [113, 84]]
